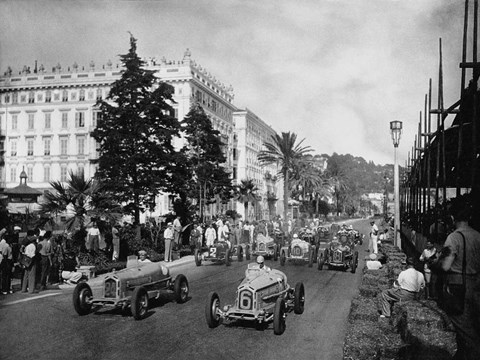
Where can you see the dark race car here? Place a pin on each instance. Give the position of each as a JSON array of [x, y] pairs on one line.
[[338, 254], [220, 252]]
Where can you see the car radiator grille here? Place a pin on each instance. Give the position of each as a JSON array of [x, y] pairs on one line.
[[245, 300], [337, 256], [110, 288], [297, 251]]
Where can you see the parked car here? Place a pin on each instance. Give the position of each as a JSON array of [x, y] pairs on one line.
[[263, 296], [338, 255], [297, 251], [266, 246], [132, 287]]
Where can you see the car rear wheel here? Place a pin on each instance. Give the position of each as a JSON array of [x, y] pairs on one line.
[[180, 288], [275, 253], [310, 257], [82, 294], [227, 257], [299, 304], [279, 317], [354, 262], [240, 253], [139, 304], [198, 257], [282, 258], [247, 252], [211, 307], [321, 261]]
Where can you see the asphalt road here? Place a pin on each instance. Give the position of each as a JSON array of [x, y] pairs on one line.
[[46, 326]]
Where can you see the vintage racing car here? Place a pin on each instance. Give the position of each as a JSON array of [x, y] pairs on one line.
[[131, 287], [262, 297], [266, 246], [220, 252], [298, 251], [338, 254]]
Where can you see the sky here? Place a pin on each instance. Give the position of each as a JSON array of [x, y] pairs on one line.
[[335, 72]]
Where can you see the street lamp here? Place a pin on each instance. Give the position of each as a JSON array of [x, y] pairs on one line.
[[396, 131]]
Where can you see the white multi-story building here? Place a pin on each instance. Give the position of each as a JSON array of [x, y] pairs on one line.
[[251, 133], [46, 118]]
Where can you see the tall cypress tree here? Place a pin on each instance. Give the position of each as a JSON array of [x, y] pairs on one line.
[[203, 148], [135, 131]]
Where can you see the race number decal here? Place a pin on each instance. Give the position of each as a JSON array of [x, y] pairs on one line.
[[110, 288], [213, 251], [245, 300]]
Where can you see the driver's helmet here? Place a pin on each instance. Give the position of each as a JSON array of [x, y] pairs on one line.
[[295, 236], [344, 225], [260, 260], [350, 227]]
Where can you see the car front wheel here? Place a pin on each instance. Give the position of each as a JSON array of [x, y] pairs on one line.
[[282, 258], [211, 307], [279, 317], [180, 289], [82, 294], [198, 257], [299, 304], [139, 303]]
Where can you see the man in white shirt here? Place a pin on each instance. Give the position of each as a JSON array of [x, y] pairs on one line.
[[409, 283], [210, 235], [373, 263], [372, 246]]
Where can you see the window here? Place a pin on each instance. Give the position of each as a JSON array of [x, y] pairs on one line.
[[81, 169], [64, 120], [46, 174], [31, 97], [56, 96], [63, 173], [99, 94], [48, 120], [13, 174], [46, 146], [14, 122], [13, 147], [63, 146], [7, 98], [64, 95], [15, 98], [96, 115], [74, 96], [31, 121], [48, 96], [39, 97], [81, 145], [30, 173], [30, 144], [82, 95], [80, 119]]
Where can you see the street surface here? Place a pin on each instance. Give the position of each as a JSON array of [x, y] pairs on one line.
[[46, 326]]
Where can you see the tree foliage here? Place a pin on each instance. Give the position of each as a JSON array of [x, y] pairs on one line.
[[246, 193], [135, 134]]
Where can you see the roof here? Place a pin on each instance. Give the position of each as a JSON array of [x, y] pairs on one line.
[[24, 190]]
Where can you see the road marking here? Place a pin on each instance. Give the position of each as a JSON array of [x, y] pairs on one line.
[[31, 298]]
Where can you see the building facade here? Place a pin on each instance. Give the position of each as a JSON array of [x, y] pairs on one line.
[[251, 133], [46, 118]]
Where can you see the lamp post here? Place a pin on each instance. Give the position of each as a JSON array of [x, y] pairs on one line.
[[396, 131]]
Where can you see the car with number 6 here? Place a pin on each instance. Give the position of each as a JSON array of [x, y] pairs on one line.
[[264, 296], [130, 288]]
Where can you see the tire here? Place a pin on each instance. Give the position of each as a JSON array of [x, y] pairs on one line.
[[227, 258], [283, 258], [354, 262], [310, 257], [180, 288], [320, 261], [81, 294], [240, 253], [275, 253], [247, 252], [299, 304], [279, 317], [139, 303], [198, 257], [211, 306]]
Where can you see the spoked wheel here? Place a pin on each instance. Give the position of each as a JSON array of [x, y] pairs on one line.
[[213, 303], [139, 304], [354, 262], [239, 253], [247, 252], [81, 297], [310, 257], [279, 317], [180, 288], [198, 257], [320, 261], [299, 304], [283, 258], [227, 257]]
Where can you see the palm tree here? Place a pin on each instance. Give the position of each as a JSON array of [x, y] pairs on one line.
[[247, 193], [284, 151], [83, 198], [338, 180]]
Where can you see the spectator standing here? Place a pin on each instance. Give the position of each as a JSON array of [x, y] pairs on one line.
[[168, 236], [428, 254], [93, 236], [29, 275], [115, 242], [195, 237], [45, 251], [210, 235], [464, 242], [219, 224], [58, 255], [238, 233], [6, 261], [226, 232], [177, 231], [372, 245], [409, 283]]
